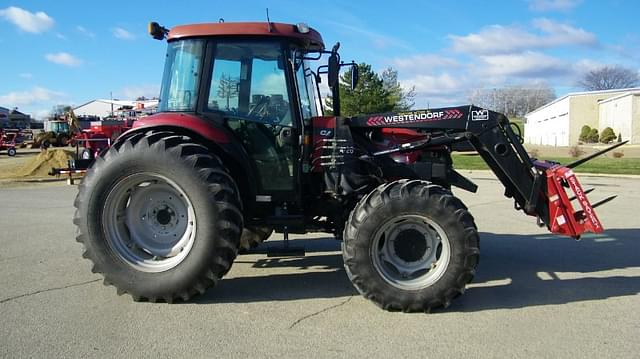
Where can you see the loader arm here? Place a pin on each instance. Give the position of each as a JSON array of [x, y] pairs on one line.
[[537, 187]]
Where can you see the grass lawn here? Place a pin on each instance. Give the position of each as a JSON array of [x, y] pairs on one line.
[[630, 166]]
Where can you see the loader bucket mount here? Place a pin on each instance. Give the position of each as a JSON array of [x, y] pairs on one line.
[[564, 218]]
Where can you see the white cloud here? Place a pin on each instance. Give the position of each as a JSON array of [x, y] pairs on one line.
[[437, 90], [84, 31], [422, 61], [451, 82], [432, 84], [41, 114], [63, 58], [553, 5], [563, 34], [524, 65], [270, 84], [583, 66], [134, 91], [436, 79], [27, 21], [123, 34], [35, 95], [499, 39], [60, 36]]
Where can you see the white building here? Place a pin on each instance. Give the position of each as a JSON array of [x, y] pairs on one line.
[[107, 108], [549, 125], [559, 122]]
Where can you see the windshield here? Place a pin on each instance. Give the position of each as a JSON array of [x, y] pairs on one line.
[[59, 127], [181, 76], [248, 80]]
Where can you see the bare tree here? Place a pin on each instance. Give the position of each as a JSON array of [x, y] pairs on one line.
[[57, 111], [228, 88], [610, 77], [513, 101]]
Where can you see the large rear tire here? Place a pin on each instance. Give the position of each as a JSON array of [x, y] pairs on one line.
[[410, 246], [159, 217]]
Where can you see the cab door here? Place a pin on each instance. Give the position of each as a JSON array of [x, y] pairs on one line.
[[249, 89]]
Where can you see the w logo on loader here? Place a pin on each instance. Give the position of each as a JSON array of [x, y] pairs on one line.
[[479, 115]]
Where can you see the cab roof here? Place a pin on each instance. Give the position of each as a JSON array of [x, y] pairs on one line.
[[311, 39]]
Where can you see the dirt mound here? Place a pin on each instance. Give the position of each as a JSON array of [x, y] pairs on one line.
[[44, 161]]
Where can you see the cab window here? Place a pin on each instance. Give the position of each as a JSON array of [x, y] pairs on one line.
[[248, 81]]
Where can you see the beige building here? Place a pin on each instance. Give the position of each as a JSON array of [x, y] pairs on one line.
[[559, 122], [622, 114]]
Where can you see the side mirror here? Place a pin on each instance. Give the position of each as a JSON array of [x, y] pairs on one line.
[[355, 75], [333, 70]]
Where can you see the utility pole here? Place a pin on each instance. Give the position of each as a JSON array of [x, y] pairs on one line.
[[111, 97]]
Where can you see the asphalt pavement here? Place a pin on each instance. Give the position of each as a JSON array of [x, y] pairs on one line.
[[535, 294]]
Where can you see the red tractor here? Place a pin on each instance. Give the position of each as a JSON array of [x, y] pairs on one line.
[[8, 142], [240, 148], [99, 136]]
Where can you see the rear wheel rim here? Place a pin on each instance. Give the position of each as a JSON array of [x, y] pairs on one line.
[[411, 252], [149, 222]]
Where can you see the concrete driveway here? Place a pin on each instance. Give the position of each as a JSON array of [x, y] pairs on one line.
[[535, 295]]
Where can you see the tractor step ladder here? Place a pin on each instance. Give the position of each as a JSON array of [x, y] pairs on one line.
[[286, 250]]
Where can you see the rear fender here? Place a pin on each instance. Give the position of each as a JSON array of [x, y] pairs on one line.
[[232, 154], [208, 129]]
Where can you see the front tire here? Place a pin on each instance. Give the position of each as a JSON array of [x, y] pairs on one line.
[[410, 246], [62, 140], [159, 217], [11, 151]]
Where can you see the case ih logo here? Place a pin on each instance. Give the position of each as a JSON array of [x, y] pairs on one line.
[[414, 117], [480, 115]]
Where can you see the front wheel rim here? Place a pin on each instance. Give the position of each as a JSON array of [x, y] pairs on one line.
[[411, 252], [149, 222]]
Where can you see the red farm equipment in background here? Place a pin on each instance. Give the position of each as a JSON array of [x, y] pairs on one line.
[[8, 142]]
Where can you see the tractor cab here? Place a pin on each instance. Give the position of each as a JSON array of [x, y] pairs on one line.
[[59, 127], [253, 81]]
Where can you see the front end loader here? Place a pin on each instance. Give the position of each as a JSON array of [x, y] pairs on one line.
[[540, 188]]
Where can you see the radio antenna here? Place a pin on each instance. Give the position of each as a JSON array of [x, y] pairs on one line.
[[269, 21]]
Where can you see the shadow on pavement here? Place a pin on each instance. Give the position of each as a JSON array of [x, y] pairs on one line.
[[329, 279], [521, 262], [516, 263]]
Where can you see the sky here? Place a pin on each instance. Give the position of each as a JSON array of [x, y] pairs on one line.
[[71, 52]]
